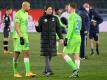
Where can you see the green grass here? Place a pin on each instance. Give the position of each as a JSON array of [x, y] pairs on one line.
[[93, 69]]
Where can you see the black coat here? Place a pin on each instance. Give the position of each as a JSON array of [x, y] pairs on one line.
[[94, 15], [49, 26], [85, 20], [6, 21]]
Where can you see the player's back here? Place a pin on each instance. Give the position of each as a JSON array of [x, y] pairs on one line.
[[75, 23]]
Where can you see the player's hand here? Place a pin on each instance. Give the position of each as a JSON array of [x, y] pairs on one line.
[[86, 32], [21, 40], [36, 23], [61, 41], [94, 23], [65, 42]]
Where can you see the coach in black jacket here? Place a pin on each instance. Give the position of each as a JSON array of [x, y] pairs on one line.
[[96, 19], [49, 26], [84, 13]]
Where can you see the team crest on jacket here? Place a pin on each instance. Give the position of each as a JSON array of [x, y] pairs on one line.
[[6, 18], [53, 19], [45, 20]]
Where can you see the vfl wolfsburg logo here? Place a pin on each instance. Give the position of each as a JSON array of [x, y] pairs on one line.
[[53, 19], [45, 20]]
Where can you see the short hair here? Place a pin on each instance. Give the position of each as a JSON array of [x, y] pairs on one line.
[[47, 6], [73, 5], [8, 8], [25, 2], [57, 9]]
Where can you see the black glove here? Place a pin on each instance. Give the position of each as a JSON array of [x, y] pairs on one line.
[[65, 42], [86, 33], [21, 40]]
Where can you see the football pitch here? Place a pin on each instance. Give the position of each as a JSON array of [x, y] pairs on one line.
[[95, 68]]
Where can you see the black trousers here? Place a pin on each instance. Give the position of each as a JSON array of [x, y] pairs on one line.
[[47, 64], [82, 47]]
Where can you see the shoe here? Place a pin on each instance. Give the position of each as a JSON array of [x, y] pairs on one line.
[[10, 52], [7, 52], [18, 75], [83, 58], [92, 53], [86, 57], [58, 53], [47, 74], [30, 74], [74, 74]]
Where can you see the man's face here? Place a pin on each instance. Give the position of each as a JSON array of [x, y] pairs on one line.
[[69, 9], [27, 7], [87, 7], [66, 7], [49, 10]]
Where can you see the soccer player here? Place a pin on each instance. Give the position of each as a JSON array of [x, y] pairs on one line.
[[6, 30], [49, 26], [20, 38], [73, 40], [94, 29]]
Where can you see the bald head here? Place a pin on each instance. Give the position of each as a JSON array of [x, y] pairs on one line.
[[25, 5]]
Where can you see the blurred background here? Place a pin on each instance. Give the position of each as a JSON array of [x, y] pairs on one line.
[[38, 5]]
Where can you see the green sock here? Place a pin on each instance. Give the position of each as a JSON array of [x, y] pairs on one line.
[[70, 62], [57, 43], [27, 64], [15, 66]]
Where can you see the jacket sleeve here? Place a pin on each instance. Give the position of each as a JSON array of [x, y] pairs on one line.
[[58, 29], [85, 21], [39, 27], [99, 19]]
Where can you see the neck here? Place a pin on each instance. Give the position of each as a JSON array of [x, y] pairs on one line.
[[48, 14], [23, 9]]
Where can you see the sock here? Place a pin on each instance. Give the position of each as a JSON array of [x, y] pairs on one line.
[[77, 62], [92, 50], [57, 43], [15, 66], [27, 64], [5, 43], [97, 46], [70, 62]]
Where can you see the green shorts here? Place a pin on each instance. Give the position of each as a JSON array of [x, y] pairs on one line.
[[72, 48], [18, 47]]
